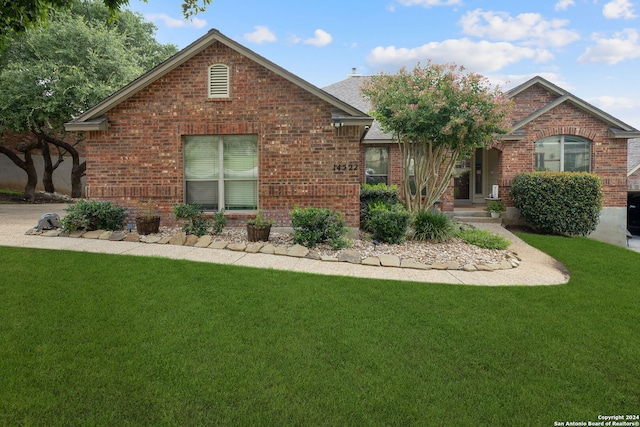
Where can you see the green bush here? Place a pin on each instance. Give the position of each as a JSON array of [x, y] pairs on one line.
[[566, 203], [482, 238], [196, 222], [388, 223], [219, 221], [373, 193], [94, 215], [318, 225], [432, 225]]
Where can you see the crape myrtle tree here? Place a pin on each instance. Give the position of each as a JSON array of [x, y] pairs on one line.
[[49, 75], [438, 114]]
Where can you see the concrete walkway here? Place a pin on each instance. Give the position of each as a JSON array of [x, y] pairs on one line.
[[536, 267]]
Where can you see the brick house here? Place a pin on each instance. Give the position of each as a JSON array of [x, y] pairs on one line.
[[552, 130], [219, 125]]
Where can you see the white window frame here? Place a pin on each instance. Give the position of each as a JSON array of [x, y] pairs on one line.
[[219, 140], [561, 139], [218, 77]]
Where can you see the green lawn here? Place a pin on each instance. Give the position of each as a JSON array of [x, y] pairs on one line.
[[105, 340]]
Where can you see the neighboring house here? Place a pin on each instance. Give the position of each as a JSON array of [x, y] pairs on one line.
[[633, 166], [221, 126], [552, 130]]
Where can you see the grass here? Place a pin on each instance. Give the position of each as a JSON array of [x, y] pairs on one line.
[[94, 339]]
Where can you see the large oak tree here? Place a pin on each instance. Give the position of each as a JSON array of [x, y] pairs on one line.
[[49, 75]]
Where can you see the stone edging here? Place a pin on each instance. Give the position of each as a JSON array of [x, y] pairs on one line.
[[297, 251]]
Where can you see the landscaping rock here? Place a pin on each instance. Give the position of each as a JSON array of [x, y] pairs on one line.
[[117, 236], [372, 260], [178, 239], [439, 266], [453, 266], [132, 237], [105, 236], [350, 256], [203, 242], [191, 240], [389, 260], [150, 239], [52, 233], [298, 251], [409, 263], [254, 248], [470, 267], [218, 244], [281, 250], [94, 234], [76, 234], [237, 247], [268, 249]]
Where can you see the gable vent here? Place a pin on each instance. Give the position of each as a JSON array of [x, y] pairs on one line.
[[218, 81]]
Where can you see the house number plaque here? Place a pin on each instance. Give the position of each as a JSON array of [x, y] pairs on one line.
[[353, 166]]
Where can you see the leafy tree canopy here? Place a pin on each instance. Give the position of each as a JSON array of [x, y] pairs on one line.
[[438, 114], [19, 15]]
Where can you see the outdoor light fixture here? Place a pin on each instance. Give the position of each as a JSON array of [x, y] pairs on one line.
[[336, 123]]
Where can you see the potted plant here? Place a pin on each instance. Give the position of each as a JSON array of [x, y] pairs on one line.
[[147, 218], [495, 207], [259, 228]]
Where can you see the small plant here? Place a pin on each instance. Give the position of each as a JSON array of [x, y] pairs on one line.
[[219, 221], [388, 223], [318, 225], [94, 215], [197, 223], [147, 209], [260, 220], [432, 225], [482, 238], [496, 206]]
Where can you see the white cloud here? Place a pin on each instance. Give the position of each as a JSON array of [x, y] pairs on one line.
[[611, 102], [625, 45], [261, 34], [564, 4], [617, 9], [176, 23], [529, 28], [479, 57], [321, 38], [430, 3]]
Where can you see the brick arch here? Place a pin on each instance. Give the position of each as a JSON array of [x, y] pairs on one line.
[[566, 130]]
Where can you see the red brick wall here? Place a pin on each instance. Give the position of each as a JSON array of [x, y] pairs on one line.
[[608, 156], [141, 155]]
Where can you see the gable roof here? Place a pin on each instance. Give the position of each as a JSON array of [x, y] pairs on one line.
[[95, 119], [617, 128], [348, 90]]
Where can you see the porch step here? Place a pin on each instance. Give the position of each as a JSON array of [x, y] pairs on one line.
[[474, 215]]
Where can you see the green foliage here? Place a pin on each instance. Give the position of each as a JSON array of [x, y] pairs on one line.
[[196, 221], [49, 75], [318, 225], [372, 193], [496, 206], [567, 203], [260, 220], [482, 238], [219, 221], [94, 215], [432, 225], [438, 113], [388, 224]]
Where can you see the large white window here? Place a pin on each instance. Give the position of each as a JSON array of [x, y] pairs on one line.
[[221, 171], [563, 153]]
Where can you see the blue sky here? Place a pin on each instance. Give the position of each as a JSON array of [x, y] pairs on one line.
[[588, 47]]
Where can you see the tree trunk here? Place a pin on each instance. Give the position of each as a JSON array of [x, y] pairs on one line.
[[27, 166], [47, 175], [77, 169]]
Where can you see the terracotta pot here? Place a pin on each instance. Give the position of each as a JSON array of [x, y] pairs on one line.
[[258, 233], [148, 225]]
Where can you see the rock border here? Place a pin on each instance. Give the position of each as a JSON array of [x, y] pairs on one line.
[[297, 251]]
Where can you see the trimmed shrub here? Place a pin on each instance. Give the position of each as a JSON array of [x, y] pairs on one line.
[[432, 225], [373, 193], [196, 222], [94, 215], [482, 238], [388, 224], [318, 225], [565, 203]]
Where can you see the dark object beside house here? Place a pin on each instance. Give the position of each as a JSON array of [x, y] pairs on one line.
[[148, 225], [48, 221], [633, 213]]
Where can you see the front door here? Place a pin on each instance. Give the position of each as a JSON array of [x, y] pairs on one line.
[[474, 177]]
